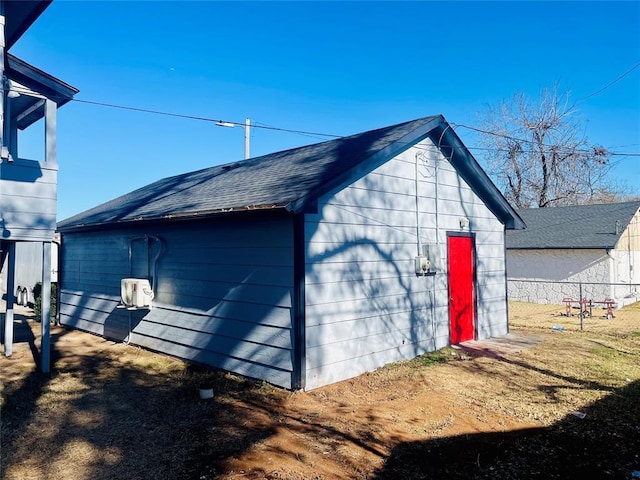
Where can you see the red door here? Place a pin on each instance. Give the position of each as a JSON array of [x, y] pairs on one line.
[[461, 305]]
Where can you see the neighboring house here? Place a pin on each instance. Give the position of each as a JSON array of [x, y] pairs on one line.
[[299, 267], [28, 187], [597, 245]]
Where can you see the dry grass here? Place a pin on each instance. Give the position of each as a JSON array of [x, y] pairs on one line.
[[111, 411], [544, 317]]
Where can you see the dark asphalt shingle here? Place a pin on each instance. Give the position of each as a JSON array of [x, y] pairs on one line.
[[277, 179], [291, 179], [578, 226]]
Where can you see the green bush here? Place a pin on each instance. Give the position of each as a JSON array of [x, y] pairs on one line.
[[37, 295]]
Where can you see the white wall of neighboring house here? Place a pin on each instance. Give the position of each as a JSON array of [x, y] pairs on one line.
[[626, 263], [625, 267], [532, 274]]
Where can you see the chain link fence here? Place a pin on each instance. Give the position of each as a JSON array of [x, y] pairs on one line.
[[562, 305]]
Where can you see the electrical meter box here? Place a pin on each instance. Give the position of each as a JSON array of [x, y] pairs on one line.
[[429, 262], [422, 265]]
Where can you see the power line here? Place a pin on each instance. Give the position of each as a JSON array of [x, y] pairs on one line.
[[204, 119], [610, 83], [300, 132], [508, 137], [308, 133], [264, 125], [189, 117]]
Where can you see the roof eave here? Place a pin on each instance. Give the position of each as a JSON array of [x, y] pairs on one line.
[[39, 80], [169, 217]]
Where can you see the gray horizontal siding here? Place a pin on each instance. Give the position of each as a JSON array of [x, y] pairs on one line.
[[222, 295], [222, 342], [331, 331], [227, 328], [225, 362], [28, 195], [365, 306]]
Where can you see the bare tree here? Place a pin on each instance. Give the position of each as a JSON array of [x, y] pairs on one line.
[[538, 156]]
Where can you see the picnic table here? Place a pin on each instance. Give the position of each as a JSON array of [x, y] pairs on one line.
[[586, 306]]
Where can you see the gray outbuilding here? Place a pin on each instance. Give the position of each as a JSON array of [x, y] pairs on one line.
[[303, 267]]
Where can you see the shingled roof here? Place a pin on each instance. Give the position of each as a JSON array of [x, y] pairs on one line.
[[580, 226], [290, 179]]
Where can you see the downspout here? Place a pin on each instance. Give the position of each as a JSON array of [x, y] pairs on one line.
[[419, 241], [432, 293], [59, 282], [299, 374], [436, 162], [613, 272], [506, 279], [629, 232]]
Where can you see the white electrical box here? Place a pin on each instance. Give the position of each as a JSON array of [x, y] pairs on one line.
[[136, 292], [422, 265], [433, 253], [429, 262]]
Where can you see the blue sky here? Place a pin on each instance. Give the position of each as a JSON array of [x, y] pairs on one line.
[[329, 67]]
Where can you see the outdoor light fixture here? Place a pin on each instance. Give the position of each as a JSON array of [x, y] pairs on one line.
[[464, 223], [247, 134]]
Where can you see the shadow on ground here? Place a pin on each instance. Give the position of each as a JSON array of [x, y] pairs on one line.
[[108, 411], [97, 417], [600, 445]]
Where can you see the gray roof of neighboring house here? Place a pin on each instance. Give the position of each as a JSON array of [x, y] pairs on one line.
[[290, 180], [578, 226]]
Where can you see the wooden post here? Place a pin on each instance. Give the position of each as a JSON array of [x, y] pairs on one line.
[[581, 312], [8, 317], [45, 352], [247, 138], [50, 111]]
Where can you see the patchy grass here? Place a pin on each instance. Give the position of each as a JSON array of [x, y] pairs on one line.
[[433, 358], [565, 408]]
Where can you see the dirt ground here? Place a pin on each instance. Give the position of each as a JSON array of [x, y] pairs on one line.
[[539, 403]]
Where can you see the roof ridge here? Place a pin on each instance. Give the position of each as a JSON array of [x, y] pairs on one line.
[[289, 180]]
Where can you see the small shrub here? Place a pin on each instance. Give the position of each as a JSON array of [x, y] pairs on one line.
[[37, 295]]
